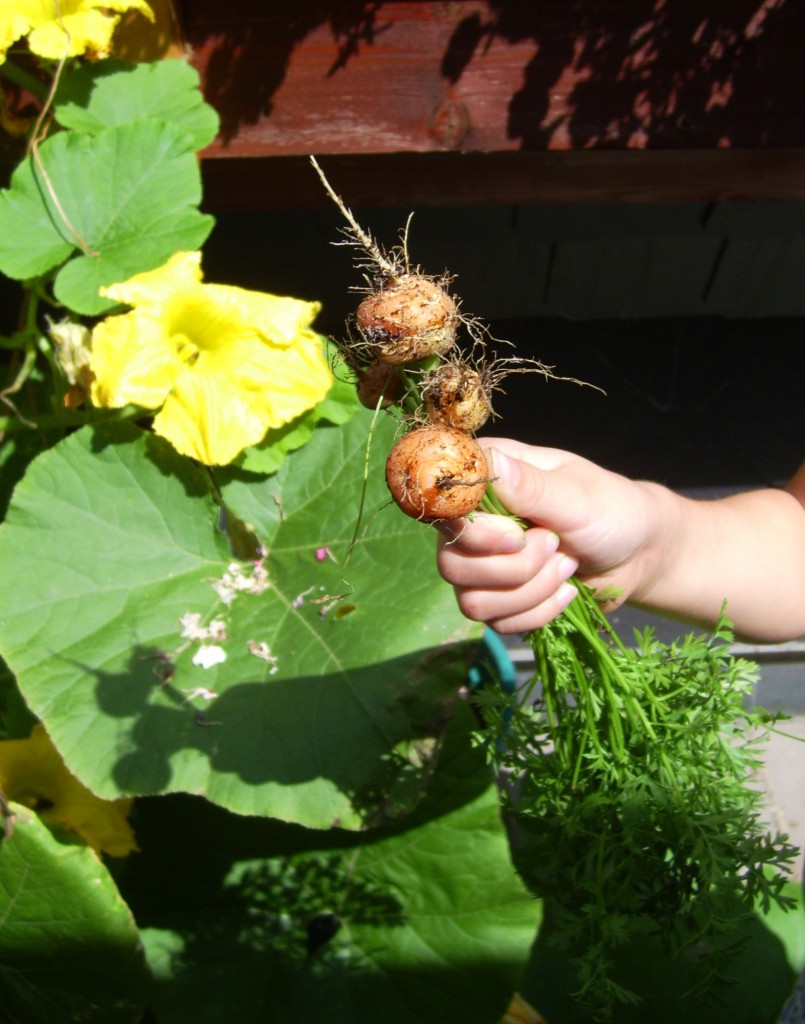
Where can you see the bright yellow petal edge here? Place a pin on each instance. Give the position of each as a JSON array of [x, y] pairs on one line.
[[33, 774], [81, 25]]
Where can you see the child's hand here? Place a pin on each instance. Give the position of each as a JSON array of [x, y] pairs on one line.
[[586, 519]]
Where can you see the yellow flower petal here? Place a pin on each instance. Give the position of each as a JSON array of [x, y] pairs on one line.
[[32, 773], [69, 29], [278, 318], [228, 364], [285, 382], [132, 362], [13, 25], [212, 415], [206, 418], [181, 273]]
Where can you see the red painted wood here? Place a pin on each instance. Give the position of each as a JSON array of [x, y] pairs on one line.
[[289, 78], [489, 76]]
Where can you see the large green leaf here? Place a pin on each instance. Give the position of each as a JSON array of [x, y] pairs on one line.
[[110, 92], [129, 194], [252, 922], [321, 712], [69, 947]]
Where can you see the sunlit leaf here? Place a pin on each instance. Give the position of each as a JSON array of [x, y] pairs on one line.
[[141, 208], [106, 93], [332, 670]]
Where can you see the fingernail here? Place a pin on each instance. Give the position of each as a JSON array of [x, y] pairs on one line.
[[567, 566], [511, 543], [565, 594], [502, 468], [551, 543]]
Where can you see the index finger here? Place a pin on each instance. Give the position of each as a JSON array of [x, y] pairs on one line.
[[483, 534]]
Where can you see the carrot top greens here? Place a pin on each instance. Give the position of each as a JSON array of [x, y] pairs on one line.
[[635, 796]]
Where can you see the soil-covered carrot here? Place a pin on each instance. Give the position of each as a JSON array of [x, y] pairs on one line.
[[437, 473], [409, 318]]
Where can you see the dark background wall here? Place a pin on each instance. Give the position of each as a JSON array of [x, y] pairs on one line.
[[690, 316]]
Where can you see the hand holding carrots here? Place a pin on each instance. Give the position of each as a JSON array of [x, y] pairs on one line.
[[630, 541], [516, 581]]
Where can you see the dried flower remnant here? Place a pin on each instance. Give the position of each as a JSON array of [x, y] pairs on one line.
[[260, 649], [200, 691], [299, 600], [73, 354], [239, 578], [164, 668], [193, 628], [209, 637]]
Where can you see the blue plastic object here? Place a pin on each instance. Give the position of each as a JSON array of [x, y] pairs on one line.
[[492, 664]]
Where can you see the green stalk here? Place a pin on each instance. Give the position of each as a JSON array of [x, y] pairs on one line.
[[590, 625], [412, 401]]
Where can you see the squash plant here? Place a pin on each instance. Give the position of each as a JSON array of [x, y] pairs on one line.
[[227, 787]]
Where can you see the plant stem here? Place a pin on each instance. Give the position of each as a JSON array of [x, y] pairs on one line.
[[591, 645]]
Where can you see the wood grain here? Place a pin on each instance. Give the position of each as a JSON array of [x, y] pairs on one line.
[[639, 85]]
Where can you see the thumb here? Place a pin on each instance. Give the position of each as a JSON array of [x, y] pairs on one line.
[[521, 487]]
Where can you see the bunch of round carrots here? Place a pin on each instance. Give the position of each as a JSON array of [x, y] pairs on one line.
[[403, 348]]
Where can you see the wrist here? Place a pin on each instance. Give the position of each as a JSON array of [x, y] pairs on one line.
[[662, 542]]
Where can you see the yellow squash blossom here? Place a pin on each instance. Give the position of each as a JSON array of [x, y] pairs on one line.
[[59, 28], [33, 774], [223, 364]]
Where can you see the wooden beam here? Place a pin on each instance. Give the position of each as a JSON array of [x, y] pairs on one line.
[[447, 179]]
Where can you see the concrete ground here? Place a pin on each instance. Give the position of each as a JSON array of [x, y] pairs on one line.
[[784, 782]]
